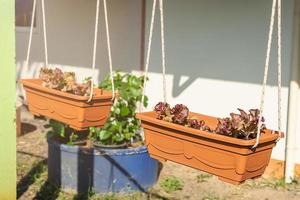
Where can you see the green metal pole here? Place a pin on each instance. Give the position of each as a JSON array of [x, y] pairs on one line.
[[7, 101]]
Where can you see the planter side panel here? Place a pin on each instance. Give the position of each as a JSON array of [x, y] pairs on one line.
[[229, 166], [77, 117]]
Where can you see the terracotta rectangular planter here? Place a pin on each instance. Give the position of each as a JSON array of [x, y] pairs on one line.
[[68, 108], [231, 159]]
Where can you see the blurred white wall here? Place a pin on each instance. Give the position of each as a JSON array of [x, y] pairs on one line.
[[70, 31]]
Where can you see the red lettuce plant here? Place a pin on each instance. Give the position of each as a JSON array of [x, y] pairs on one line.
[[179, 114], [52, 78], [198, 124], [64, 81], [163, 112], [243, 125]]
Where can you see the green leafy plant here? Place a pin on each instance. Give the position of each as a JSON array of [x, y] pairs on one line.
[[171, 184], [121, 126], [203, 177], [64, 133], [58, 129], [212, 196], [273, 183], [72, 138], [110, 197]]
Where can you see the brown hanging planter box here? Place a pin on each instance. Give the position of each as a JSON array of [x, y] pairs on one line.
[[68, 108], [231, 159]]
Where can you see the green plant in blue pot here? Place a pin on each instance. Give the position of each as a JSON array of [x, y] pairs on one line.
[[122, 129], [112, 158]]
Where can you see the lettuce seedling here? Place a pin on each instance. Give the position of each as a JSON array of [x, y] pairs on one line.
[[243, 125], [179, 114], [64, 81]]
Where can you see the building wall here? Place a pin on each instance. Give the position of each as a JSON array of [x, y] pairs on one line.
[[297, 69], [70, 31], [215, 53]]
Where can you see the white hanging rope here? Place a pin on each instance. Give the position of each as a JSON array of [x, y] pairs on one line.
[[162, 51], [45, 33], [279, 67], [94, 47], [94, 50], [162, 32], [265, 73], [31, 31], [109, 49], [148, 52]]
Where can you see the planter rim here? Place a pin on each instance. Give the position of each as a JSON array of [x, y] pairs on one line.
[[36, 84], [98, 151], [101, 146], [150, 117]]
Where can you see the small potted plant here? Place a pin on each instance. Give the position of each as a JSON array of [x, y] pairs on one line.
[[114, 158], [122, 129], [58, 96], [222, 147]]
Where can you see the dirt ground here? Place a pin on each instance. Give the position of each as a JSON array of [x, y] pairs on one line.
[[175, 182]]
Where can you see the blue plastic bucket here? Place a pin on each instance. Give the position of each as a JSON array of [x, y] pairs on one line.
[[102, 170]]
